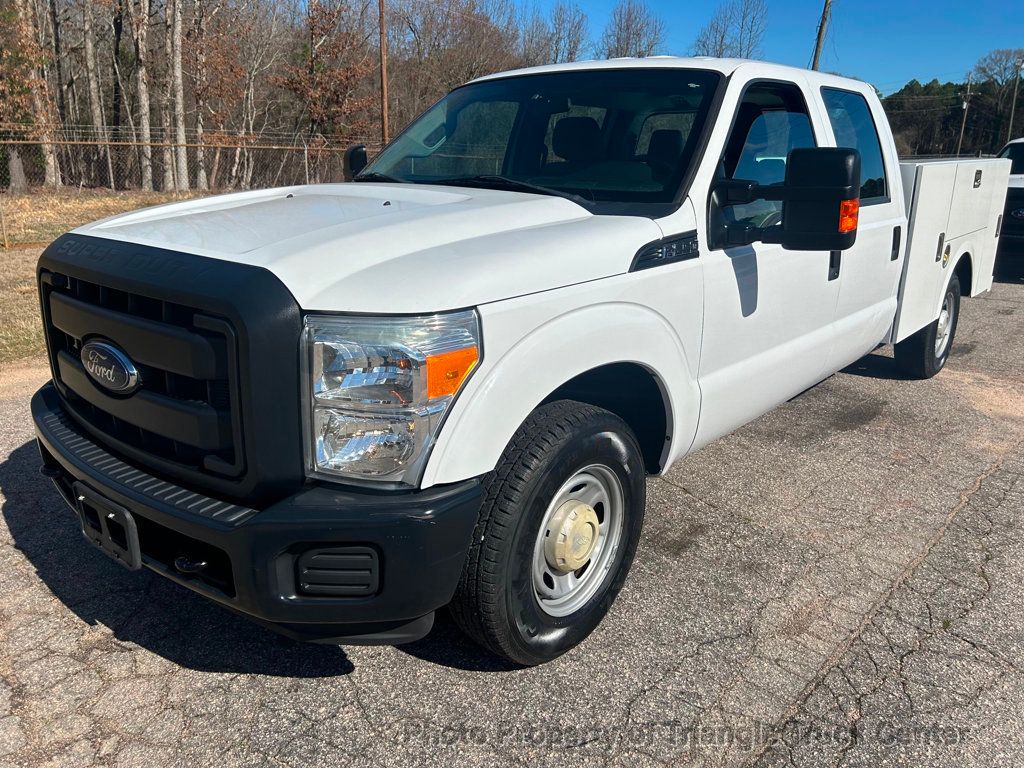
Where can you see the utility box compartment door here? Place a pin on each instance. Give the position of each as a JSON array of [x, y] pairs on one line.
[[928, 194], [984, 210]]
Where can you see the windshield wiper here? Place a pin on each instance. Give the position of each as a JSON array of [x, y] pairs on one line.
[[496, 181], [375, 176]]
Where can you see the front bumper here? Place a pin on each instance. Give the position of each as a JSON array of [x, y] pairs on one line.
[[256, 560]]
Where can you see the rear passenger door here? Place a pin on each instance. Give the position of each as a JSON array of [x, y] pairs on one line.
[[869, 272]]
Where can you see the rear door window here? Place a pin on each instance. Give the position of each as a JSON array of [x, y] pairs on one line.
[[855, 129]]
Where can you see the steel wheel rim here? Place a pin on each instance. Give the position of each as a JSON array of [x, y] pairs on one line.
[[561, 594], [945, 325]]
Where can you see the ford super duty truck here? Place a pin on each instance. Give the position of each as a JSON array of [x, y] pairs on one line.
[[339, 408]]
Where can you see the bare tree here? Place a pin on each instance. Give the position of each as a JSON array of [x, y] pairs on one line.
[[138, 12], [15, 97], [117, 94], [166, 96], [1001, 68], [633, 30], [42, 114], [200, 87], [554, 39], [92, 77], [751, 23], [569, 28], [181, 180], [735, 30], [715, 38]]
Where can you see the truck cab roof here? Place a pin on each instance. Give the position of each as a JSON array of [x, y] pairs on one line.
[[723, 66]]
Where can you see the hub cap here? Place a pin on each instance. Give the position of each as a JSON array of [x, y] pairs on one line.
[[945, 325], [577, 540]]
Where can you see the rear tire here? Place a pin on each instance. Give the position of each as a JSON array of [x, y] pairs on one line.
[[924, 354], [558, 528]]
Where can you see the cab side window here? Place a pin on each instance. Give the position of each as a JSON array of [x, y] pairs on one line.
[[771, 120], [855, 129]]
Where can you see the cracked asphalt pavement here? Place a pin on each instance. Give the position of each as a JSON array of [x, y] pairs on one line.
[[837, 583]]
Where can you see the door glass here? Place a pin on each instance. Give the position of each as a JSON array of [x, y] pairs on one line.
[[771, 120], [1015, 152], [855, 129]]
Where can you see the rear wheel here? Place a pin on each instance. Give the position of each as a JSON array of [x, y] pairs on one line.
[[558, 529], [925, 353]]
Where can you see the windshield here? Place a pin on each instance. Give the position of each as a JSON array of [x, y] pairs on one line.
[[1016, 154], [608, 136]]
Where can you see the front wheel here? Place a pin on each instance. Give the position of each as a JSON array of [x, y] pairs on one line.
[[558, 529], [925, 353]]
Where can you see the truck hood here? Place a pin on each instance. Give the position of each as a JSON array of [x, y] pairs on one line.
[[397, 248]]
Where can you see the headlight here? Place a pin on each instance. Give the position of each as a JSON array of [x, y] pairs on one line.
[[377, 389]]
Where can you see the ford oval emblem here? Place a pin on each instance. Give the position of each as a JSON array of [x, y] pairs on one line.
[[1017, 213], [109, 367]]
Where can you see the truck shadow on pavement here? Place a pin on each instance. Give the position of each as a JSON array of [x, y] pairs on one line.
[[447, 646], [141, 607], [875, 366]]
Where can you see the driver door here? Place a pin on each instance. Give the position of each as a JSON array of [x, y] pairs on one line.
[[768, 312]]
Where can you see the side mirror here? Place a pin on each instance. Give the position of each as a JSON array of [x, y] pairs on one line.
[[822, 199], [820, 202], [354, 160]]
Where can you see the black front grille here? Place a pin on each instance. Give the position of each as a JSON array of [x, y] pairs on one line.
[[186, 411], [1013, 214]]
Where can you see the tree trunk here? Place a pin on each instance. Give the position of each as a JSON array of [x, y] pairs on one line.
[[115, 103], [18, 184], [58, 62], [95, 103], [140, 28], [61, 88], [42, 116], [199, 28], [166, 132], [179, 105]]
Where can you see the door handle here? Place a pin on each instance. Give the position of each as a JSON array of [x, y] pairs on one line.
[[896, 233], [835, 261]]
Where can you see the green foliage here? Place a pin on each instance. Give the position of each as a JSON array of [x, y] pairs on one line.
[[926, 119]]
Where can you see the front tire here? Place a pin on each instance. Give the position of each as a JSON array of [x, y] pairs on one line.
[[924, 354], [558, 529]]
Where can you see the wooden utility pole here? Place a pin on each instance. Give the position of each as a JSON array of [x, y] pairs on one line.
[[384, 131], [822, 30], [1013, 104], [963, 122]]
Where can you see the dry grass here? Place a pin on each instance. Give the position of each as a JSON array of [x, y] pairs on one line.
[[41, 216], [31, 221], [21, 330]]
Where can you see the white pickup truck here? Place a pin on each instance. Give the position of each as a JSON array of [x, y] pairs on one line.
[[339, 408]]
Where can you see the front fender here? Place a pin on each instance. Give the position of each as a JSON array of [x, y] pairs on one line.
[[567, 336]]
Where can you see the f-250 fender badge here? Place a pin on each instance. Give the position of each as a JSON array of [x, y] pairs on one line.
[[109, 367]]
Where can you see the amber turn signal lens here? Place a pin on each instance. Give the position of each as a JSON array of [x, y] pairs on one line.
[[849, 212], [447, 371]]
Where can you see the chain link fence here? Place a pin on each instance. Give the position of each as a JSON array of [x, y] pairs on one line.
[[47, 188]]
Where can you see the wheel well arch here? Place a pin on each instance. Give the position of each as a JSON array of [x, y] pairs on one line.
[[636, 395], [964, 270]]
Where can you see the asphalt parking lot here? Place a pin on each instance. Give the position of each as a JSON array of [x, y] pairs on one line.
[[837, 583]]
